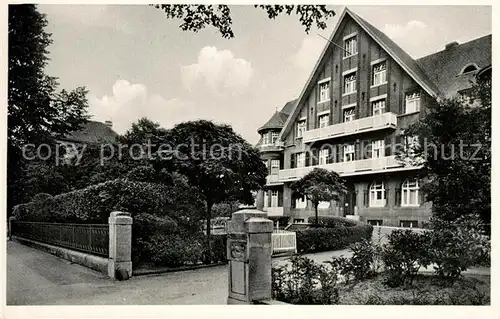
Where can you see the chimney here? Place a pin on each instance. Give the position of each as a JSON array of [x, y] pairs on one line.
[[451, 45], [108, 124]]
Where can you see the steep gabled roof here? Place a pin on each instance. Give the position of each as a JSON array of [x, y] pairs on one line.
[[395, 52], [92, 132], [444, 67]]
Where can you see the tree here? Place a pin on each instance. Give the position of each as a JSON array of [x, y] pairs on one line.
[[319, 185], [215, 160], [197, 17], [455, 143], [37, 113]]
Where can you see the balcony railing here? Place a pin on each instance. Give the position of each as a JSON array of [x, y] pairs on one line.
[[275, 147], [344, 168], [366, 124], [272, 179]]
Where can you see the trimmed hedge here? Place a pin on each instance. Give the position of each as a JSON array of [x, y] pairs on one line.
[[166, 230], [94, 204], [332, 221], [317, 239]]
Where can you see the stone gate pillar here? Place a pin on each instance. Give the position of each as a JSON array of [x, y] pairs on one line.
[[249, 257], [120, 246]]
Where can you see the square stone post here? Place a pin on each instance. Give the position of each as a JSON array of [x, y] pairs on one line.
[[120, 246], [249, 257], [9, 230]]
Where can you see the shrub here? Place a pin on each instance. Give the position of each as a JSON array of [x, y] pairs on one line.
[[306, 282], [331, 221], [362, 259], [174, 250], [143, 173], [94, 204], [218, 248], [456, 246], [318, 239], [403, 255], [41, 197]]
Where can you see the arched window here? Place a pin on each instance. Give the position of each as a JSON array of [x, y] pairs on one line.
[[377, 194], [471, 67], [410, 192]]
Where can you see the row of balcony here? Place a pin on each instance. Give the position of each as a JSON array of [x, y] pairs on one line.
[[371, 165], [366, 124]]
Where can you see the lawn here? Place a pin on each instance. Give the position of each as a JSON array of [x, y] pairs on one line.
[[427, 289]]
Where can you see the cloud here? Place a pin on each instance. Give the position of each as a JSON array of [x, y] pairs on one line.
[[398, 31], [305, 58], [129, 102], [218, 70], [87, 15]]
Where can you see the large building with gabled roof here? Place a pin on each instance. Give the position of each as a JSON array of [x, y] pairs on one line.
[[350, 117]]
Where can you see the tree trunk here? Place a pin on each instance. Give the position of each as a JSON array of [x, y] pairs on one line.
[[208, 250], [316, 213]]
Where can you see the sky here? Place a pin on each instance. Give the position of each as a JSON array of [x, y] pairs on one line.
[[137, 63]]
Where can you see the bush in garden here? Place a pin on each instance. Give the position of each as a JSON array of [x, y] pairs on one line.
[[174, 250], [218, 248], [457, 246], [403, 255], [143, 173], [331, 221], [41, 197], [317, 239], [362, 259], [298, 283]]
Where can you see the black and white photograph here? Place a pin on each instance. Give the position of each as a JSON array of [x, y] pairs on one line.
[[259, 154]]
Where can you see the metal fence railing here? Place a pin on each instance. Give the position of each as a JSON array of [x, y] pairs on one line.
[[89, 238]]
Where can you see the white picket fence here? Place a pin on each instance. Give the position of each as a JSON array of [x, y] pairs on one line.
[[283, 241]]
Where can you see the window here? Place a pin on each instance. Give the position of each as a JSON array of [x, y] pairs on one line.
[[408, 223], [378, 107], [301, 127], [265, 139], [375, 222], [266, 199], [377, 194], [298, 220], [412, 103], [349, 114], [323, 205], [301, 160], [324, 91], [378, 149], [274, 198], [323, 156], [411, 143], [379, 74], [350, 83], [349, 153], [469, 68], [409, 193], [274, 137], [350, 46], [301, 202], [324, 120], [275, 163]]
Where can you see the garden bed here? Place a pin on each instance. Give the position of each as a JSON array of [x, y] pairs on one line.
[[427, 289]]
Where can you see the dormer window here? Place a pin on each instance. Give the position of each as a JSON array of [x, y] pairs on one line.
[[469, 68]]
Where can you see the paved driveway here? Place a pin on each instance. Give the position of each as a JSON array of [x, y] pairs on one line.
[[38, 278]]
